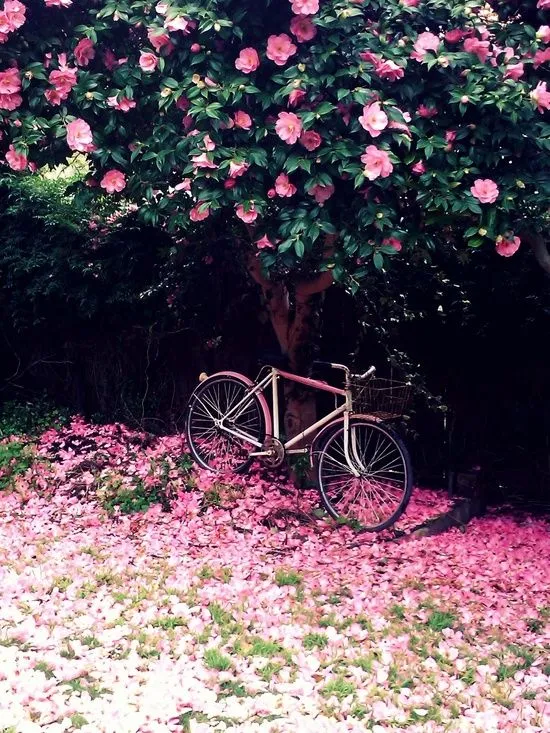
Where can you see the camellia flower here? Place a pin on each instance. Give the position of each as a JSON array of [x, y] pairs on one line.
[[541, 96], [58, 3], [305, 7], [288, 127], [264, 243], [295, 97], [160, 41], [506, 247], [147, 61], [485, 190], [390, 71], [16, 161], [196, 215], [321, 193], [79, 136], [237, 168], [425, 42], [247, 61], [113, 181], [514, 71], [543, 4], [12, 16], [242, 120], [373, 119], [63, 80], [123, 104], [393, 242], [427, 112], [283, 186], [247, 216], [10, 86], [377, 163], [482, 49], [84, 52], [280, 49], [302, 27], [543, 33], [419, 168], [310, 140], [202, 161]]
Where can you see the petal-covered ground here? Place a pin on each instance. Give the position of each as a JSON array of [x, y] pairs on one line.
[[241, 610]]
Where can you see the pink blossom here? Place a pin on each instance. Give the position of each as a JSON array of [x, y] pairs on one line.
[[113, 180], [79, 136], [427, 112], [110, 60], [63, 80], [202, 161], [247, 216], [295, 97], [543, 33], [321, 193], [179, 23], [541, 96], [543, 4], [160, 41], [485, 190], [305, 7], [148, 61], [390, 71], [377, 163], [208, 143], [242, 120], [393, 242], [197, 215], [482, 49], [123, 104], [310, 140], [58, 3], [455, 35], [264, 243], [541, 57], [280, 49], [283, 186], [373, 119], [247, 61], [419, 168], [12, 16], [10, 82], [425, 42], [237, 168], [84, 52], [16, 161], [410, 3], [10, 101], [302, 27], [288, 127], [507, 247], [514, 71]]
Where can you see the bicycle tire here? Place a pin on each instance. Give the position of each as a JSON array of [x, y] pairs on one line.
[[211, 400], [334, 475]]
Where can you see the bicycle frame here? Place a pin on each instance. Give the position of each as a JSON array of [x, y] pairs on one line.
[[273, 379]]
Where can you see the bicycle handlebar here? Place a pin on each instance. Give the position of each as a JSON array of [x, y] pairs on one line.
[[344, 368]]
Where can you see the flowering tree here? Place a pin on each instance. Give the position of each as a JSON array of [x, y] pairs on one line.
[[332, 134]]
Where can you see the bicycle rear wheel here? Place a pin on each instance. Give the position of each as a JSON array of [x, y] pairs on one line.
[[213, 447], [376, 497]]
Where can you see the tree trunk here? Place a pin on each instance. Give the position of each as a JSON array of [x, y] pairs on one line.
[[295, 320]]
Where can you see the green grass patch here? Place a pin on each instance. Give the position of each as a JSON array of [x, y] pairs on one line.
[[439, 620], [315, 641], [214, 659], [339, 688], [270, 670], [169, 622], [288, 577]]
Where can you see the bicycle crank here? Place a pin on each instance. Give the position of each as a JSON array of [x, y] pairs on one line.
[[276, 452]]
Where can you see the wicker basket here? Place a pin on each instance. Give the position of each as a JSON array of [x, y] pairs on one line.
[[386, 399]]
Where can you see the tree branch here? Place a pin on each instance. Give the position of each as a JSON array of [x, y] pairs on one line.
[[306, 289], [539, 248]]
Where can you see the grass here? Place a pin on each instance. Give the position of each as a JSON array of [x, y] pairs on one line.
[[288, 577], [340, 688], [270, 670], [439, 620], [214, 659], [315, 641], [169, 622]]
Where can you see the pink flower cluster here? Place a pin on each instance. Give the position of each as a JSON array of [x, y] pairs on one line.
[[377, 163], [280, 49], [374, 120], [63, 79], [385, 69], [16, 161], [10, 87], [12, 17], [79, 136], [84, 52]]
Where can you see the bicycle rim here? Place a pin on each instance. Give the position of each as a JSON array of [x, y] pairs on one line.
[[376, 497], [211, 446]]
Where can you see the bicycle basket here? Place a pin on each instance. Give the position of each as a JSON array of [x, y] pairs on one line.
[[383, 398]]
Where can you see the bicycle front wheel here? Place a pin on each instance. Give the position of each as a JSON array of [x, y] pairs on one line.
[[224, 448], [373, 488]]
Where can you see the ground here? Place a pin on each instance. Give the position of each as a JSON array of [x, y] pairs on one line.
[[242, 610]]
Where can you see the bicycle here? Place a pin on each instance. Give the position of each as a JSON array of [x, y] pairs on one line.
[[362, 466]]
